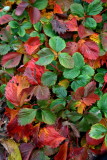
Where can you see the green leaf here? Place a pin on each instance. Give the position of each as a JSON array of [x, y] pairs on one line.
[[14, 24], [60, 91], [39, 115], [2, 88], [102, 104], [49, 78], [83, 125], [48, 117], [21, 32], [46, 57], [99, 77], [87, 70], [90, 23], [57, 105], [94, 8], [26, 25], [105, 140], [34, 34], [57, 43], [71, 73], [97, 131], [41, 4], [38, 26], [48, 30], [26, 116], [9, 104], [66, 60], [78, 60], [74, 116], [81, 81], [4, 48], [91, 118], [96, 111], [77, 9]]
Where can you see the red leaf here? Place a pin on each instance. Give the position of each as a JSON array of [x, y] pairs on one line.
[[78, 153], [90, 99], [72, 25], [84, 32], [34, 71], [89, 49], [11, 59], [57, 9], [31, 45], [105, 27], [104, 40], [21, 132], [88, 1], [26, 150], [5, 19], [79, 93], [14, 89], [98, 18], [49, 136], [34, 15], [105, 78], [71, 47], [20, 8], [62, 154], [92, 141]]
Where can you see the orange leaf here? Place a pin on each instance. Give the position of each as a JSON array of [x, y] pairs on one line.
[[49, 136], [72, 24], [90, 99], [14, 89], [32, 44], [57, 9], [62, 154]]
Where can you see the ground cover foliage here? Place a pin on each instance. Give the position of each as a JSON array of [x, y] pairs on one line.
[[53, 91]]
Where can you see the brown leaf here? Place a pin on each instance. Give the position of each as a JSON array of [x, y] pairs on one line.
[[42, 92]]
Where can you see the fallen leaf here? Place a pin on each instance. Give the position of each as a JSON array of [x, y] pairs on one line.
[[12, 148]]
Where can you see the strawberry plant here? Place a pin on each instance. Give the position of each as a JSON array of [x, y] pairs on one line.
[[53, 93]]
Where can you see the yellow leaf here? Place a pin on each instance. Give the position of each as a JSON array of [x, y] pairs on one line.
[[81, 106], [12, 148], [64, 83]]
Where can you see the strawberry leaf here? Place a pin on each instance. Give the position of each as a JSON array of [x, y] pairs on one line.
[[48, 117], [46, 57], [49, 78], [94, 8], [97, 131], [77, 9], [26, 116], [66, 60], [34, 15], [41, 4], [57, 43]]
